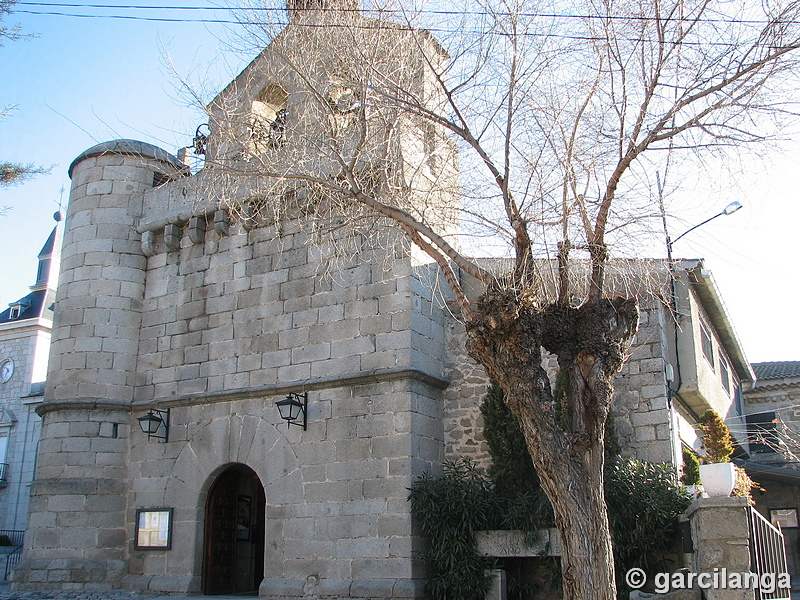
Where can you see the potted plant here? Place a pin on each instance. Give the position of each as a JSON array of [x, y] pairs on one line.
[[691, 472], [717, 474]]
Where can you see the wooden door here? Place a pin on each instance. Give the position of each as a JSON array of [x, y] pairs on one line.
[[219, 556]]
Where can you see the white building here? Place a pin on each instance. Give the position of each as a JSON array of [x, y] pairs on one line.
[[25, 328]]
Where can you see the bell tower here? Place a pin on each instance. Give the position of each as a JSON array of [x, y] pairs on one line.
[[316, 10]]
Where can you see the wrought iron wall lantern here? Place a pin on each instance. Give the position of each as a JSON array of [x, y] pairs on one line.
[[155, 424], [294, 408]]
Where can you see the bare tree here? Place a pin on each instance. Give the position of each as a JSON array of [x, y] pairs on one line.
[[5, 32], [12, 173], [524, 128]]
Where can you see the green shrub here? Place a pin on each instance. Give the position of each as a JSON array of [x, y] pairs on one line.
[[691, 468], [716, 438], [450, 509], [644, 503]]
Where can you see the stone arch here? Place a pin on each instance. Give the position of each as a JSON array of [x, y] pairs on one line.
[[269, 116], [236, 438]]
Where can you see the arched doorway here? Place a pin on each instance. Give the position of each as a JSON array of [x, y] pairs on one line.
[[233, 549]]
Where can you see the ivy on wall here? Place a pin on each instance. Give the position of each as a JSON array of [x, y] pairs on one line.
[[512, 468]]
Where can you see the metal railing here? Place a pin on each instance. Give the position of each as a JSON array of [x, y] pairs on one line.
[[768, 558], [12, 560], [11, 545], [11, 537], [3, 473]]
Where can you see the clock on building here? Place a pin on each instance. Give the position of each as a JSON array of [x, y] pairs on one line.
[[6, 370]]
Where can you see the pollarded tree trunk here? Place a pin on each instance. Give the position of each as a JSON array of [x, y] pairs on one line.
[[564, 423]]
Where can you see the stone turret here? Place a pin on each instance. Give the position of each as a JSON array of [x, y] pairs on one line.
[[78, 497]]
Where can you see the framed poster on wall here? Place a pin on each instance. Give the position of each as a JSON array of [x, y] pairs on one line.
[[153, 529]]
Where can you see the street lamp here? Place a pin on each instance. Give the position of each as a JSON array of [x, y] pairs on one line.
[[294, 408], [155, 424], [729, 210]]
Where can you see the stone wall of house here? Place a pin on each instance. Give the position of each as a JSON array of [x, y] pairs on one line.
[[233, 323], [255, 308], [77, 529], [336, 494], [463, 422], [640, 411]]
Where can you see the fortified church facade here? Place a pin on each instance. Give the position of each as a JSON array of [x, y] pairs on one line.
[[173, 307], [180, 309]]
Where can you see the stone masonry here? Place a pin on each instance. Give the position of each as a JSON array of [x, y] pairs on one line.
[[217, 331], [170, 300], [640, 410], [173, 297]]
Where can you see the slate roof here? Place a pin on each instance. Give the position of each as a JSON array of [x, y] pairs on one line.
[[40, 304], [50, 244], [777, 370]]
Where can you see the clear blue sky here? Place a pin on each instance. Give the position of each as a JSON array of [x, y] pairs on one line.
[[87, 80], [82, 81]]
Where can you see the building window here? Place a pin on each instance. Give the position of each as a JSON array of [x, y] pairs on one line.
[[737, 399], [15, 312], [725, 374], [761, 432], [3, 457], [269, 118], [705, 342], [44, 271]]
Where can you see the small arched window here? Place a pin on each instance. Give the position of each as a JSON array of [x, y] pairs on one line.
[[269, 117]]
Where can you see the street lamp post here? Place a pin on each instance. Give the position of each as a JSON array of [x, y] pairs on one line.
[[728, 210]]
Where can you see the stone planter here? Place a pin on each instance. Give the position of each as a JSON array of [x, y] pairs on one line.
[[718, 479]]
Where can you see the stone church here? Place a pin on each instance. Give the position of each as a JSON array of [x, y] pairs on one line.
[[189, 321], [184, 326]]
